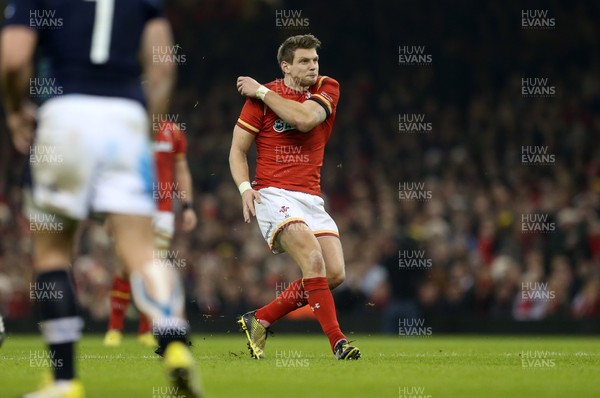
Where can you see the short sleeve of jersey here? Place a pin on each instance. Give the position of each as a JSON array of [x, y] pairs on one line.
[[327, 94], [251, 117], [180, 144], [18, 12]]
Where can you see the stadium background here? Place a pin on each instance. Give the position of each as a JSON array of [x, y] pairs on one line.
[[469, 163]]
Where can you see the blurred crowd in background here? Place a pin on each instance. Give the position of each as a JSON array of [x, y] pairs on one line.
[[480, 260]]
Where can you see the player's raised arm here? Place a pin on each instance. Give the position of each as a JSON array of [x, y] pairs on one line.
[[304, 116], [18, 43], [238, 163], [160, 76]]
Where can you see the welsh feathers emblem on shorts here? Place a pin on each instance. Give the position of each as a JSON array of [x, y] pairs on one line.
[[284, 210]]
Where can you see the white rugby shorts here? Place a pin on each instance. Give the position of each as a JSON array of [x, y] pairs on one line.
[[92, 155], [281, 207]]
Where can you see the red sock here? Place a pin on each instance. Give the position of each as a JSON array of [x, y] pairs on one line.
[[144, 326], [119, 300], [322, 305], [289, 300]]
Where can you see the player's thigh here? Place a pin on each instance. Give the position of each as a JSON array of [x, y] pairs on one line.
[[278, 209], [53, 242], [333, 255], [300, 243], [326, 232]]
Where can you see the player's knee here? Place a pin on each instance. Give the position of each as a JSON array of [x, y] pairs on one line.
[[334, 279]]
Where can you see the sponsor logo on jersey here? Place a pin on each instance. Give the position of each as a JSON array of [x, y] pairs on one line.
[[281, 125]]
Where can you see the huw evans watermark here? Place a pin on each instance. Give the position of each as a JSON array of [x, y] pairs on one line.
[[413, 327], [537, 223], [413, 392], [167, 392], [537, 19], [290, 19], [536, 291], [536, 359], [45, 291], [414, 55], [413, 259], [45, 154], [44, 87], [290, 154], [168, 259], [537, 87], [170, 54], [41, 222], [167, 191], [537, 155], [290, 359], [160, 120], [281, 291], [44, 359], [414, 191], [414, 123], [45, 19]]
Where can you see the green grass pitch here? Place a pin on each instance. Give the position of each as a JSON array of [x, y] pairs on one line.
[[302, 366]]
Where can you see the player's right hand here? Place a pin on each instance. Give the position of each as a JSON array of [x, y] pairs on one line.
[[248, 198], [247, 86]]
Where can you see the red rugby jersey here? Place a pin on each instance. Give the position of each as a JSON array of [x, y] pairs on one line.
[[287, 158]]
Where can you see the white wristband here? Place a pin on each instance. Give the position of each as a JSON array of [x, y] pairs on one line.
[[244, 186], [261, 92]]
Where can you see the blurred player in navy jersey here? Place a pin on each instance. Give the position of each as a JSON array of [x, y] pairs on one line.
[[97, 127]]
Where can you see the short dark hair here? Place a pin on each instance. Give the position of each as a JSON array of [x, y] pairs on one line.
[[291, 44]]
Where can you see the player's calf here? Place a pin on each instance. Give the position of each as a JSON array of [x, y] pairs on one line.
[[158, 293], [61, 327]]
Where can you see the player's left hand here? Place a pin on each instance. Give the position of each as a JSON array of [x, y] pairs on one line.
[[22, 125], [189, 220], [247, 86]]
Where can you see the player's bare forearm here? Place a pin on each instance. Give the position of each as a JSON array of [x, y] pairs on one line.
[[14, 83], [183, 179], [304, 116], [17, 46], [158, 90], [238, 155], [160, 76], [238, 164]]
